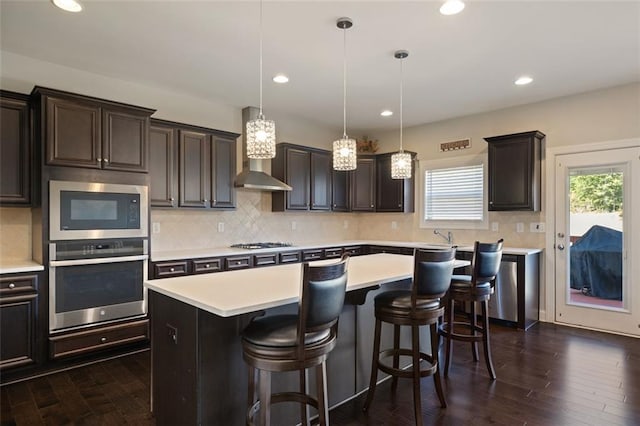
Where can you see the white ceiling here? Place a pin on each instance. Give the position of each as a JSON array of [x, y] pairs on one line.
[[457, 65]]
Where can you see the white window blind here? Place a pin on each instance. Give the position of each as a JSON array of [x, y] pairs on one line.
[[454, 193]]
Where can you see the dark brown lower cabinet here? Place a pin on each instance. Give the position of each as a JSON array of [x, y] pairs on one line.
[[199, 376], [18, 321]]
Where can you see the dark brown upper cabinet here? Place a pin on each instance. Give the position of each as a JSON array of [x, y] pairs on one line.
[[340, 191], [308, 172], [363, 184], [514, 171], [393, 195], [82, 131], [15, 150], [163, 164], [223, 173], [207, 167]]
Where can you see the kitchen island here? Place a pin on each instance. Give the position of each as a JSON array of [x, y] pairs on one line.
[[198, 374]]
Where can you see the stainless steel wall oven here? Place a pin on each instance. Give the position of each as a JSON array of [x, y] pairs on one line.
[[94, 281]]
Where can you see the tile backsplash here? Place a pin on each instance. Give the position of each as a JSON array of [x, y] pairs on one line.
[[254, 221], [251, 221], [15, 233]]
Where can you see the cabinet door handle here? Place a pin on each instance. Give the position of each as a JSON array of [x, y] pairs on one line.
[[99, 160], [215, 201], [12, 285], [172, 199], [172, 269], [103, 339], [106, 160], [371, 205]]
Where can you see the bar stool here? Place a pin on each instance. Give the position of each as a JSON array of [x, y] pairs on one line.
[[415, 307], [477, 287], [280, 343]]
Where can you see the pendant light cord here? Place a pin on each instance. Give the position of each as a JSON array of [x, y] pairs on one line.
[[401, 92], [344, 83], [260, 58]]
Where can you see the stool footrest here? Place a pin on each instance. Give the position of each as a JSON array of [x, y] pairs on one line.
[[444, 331], [408, 373]]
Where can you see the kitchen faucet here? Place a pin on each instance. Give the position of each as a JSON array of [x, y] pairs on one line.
[[448, 238]]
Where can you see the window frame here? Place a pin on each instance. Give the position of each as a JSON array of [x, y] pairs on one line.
[[468, 160]]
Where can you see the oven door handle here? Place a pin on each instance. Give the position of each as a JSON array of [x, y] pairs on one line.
[[100, 260]]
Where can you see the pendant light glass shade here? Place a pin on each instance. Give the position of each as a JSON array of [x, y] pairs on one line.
[[261, 133], [401, 165], [344, 154], [344, 149], [401, 162], [261, 138]]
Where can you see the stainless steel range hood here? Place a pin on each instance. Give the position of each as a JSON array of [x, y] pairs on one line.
[[252, 176]]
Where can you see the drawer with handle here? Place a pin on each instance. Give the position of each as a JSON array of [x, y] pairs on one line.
[[170, 269], [22, 284], [265, 259], [96, 339], [237, 262], [290, 257], [331, 253], [204, 266], [308, 255]]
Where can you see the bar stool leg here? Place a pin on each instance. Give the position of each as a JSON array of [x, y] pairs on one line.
[[396, 355], [435, 346], [448, 339], [374, 366], [265, 398], [485, 339], [321, 389], [415, 350], [473, 322], [304, 408]]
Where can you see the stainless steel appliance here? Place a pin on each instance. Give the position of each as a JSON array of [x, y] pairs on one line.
[[94, 281], [503, 303], [253, 246], [81, 210]]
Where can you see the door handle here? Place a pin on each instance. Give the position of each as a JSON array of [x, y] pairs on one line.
[[560, 246]]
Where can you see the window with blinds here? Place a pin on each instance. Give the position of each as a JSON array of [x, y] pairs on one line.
[[454, 194]]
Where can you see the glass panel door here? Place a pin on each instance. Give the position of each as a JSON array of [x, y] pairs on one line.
[[596, 211]]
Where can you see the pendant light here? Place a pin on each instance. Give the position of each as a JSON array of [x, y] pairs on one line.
[[401, 161], [261, 133], [344, 149]]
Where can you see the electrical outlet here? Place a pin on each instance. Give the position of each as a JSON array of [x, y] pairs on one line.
[[155, 227], [519, 227], [536, 227], [394, 224], [220, 226], [294, 225], [495, 226]]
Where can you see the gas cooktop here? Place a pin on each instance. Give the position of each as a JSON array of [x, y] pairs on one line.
[[252, 246]]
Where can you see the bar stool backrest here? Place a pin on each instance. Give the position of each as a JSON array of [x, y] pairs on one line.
[[323, 291], [432, 272], [486, 262]]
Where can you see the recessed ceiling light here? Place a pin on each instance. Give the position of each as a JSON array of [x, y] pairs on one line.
[[451, 7], [281, 78], [386, 113], [68, 5], [521, 81]]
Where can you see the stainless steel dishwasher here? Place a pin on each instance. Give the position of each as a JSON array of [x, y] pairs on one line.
[[504, 302]]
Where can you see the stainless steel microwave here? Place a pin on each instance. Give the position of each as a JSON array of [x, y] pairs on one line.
[[90, 210]]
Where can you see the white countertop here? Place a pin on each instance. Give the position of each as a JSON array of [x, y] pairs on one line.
[[161, 256], [12, 266], [238, 292]]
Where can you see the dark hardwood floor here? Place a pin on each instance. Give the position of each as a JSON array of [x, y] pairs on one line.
[[550, 375]]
